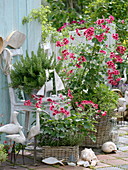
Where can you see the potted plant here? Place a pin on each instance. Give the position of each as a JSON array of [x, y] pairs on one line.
[[62, 133], [29, 73], [91, 68], [61, 138]]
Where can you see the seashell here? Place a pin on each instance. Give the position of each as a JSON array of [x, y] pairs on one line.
[[94, 163], [71, 163], [83, 163], [52, 160], [80, 162], [88, 155], [109, 147], [86, 164]]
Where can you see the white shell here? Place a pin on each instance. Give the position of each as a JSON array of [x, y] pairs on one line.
[[86, 164], [88, 155], [109, 147], [52, 160], [80, 162], [83, 163], [93, 163], [71, 163]]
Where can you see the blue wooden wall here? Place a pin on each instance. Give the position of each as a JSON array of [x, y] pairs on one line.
[[11, 15]]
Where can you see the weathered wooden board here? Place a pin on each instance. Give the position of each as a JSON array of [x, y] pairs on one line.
[[15, 39]]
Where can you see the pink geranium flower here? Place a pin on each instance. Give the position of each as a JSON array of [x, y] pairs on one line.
[[69, 94], [65, 41], [59, 58], [116, 72], [28, 103], [78, 65], [102, 51], [115, 36], [100, 21], [104, 113], [121, 49], [71, 37], [77, 32], [100, 37], [59, 44], [111, 18], [50, 100], [118, 79]]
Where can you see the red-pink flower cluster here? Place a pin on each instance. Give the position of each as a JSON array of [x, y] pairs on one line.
[[100, 21], [65, 54], [27, 103], [77, 32], [69, 94], [115, 36], [100, 37], [89, 33], [111, 65], [57, 110], [102, 51], [95, 106], [121, 49], [71, 37], [111, 18], [104, 113], [80, 59], [89, 102], [116, 58], [111, 73], [69, 72], [37, 99], [63, 43]]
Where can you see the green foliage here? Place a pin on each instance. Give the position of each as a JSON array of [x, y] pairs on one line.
[[64, 132], [105, 98], [57, 13], [66, 11], [104, 8], [41, 15], [3, 154], [85, 78], [29, 72]]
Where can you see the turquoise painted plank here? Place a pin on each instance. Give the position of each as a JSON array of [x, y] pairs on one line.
[[23, 28], [34, 29]]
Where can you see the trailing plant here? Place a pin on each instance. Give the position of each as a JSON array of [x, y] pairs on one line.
[[29, 74], [41, 15]]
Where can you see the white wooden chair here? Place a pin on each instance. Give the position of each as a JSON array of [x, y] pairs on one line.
[[18, 105]]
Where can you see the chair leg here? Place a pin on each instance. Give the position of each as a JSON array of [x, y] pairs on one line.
[[35, 144], [23, 155]]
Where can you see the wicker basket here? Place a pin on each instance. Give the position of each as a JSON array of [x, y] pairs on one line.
[[61, 152], [104, 127]]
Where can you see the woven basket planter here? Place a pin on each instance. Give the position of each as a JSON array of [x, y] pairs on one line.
[[103, 134], [61, 152]]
